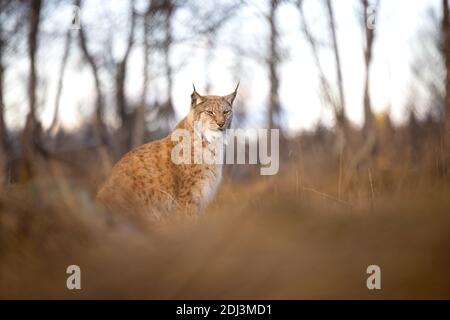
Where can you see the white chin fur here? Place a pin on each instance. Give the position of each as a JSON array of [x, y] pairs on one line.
[[212, 135], [203, 128]]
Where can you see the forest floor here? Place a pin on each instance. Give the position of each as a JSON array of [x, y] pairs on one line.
[[300, 234]]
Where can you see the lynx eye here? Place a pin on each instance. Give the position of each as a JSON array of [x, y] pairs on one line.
[[227, 112], [211, 113]]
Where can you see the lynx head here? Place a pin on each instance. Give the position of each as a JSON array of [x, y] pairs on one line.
[[212, 113]]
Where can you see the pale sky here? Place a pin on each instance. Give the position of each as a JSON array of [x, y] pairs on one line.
[[397, 25]]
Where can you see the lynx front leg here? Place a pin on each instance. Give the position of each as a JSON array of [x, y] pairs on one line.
[[190, 211]]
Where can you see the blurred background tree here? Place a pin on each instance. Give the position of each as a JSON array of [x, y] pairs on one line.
[[139, 52]]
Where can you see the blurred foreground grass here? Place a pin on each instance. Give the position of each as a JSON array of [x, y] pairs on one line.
[[299, 234]]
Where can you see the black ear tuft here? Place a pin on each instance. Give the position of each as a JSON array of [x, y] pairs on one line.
[[195, 98], [230, 98]]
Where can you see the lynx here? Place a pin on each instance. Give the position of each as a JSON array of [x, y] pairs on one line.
[[146, 183]]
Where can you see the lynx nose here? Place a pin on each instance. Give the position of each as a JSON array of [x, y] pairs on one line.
[[221, 123]]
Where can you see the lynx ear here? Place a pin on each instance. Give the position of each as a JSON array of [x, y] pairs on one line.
[[196, 99], [230, 98]]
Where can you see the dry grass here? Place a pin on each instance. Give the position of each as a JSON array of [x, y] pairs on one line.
[[309, 232]]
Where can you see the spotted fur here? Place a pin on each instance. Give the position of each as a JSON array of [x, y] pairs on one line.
[[147, 184]]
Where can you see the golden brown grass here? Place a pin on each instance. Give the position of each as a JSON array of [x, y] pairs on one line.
[[300, 234]]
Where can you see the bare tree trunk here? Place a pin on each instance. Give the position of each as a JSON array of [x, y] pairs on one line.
[[341, 119], [31, 133], [210, 44], [337, 59], [62, 70], [170, 9], [99, 99], [369, 129], [369, 121], [413, 130], [273, 61], [100, 126], [324, 83], [446, 54], [121, 73], [137, 137], [4, 144]]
